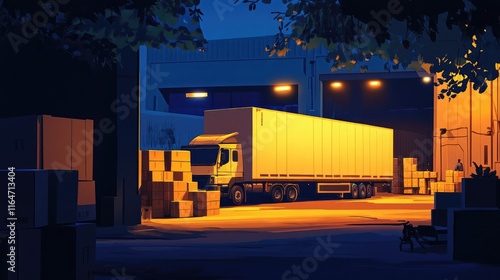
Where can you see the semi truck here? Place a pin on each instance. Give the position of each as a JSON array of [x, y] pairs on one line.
[[250, 150]]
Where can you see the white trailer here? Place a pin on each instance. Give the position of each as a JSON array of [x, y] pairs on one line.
[[255, 150]]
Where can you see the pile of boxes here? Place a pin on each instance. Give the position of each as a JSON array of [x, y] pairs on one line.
[[168, 190], [45, 142], [415, 181], [397, 178], [53, 164], [453, 182]]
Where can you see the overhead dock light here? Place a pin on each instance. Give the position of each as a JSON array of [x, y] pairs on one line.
[[282, 88], [336, 85], [196, 94]]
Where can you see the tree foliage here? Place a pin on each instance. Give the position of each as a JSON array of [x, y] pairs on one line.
[[97, 30], [457, 38]]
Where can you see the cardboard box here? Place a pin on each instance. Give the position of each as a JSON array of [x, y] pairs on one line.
[[86, 213], [409, 161], [63, 196], [434, 187], [483, 193], [28, 256], [414, 182], [427, 174], [86, 192], [449, 187], [203, 196], [202, 212], [407, 168], [433, 175], [410, 190], [458, 187], [183, 176], [153, 155], [181, 209], [166, 209], [46, 142], [56, 143], [206, 205], [408, 174], [154, 166], [449, 173], [31, 198], [439, 217], [153, 176], [414, 167], [89, 149], [176, 186], [177, 155], [418, 174], [168, 176], [449, 179], [180, 196], [457, 176], [441, 187], [179, 166], [444, 200], [472, 236], [192, 186], [78, 149], [157, 190], [407, 183], [75, 257], [157, 204], [422, 185]]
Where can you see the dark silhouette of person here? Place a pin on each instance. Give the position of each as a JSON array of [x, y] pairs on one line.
[[460, 166]]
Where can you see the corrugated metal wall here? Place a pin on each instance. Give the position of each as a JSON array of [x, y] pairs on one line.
[[223, 50]]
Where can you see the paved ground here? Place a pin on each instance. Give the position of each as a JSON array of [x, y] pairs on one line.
[[339, 239]]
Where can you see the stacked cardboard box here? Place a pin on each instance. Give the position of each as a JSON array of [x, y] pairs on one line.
[[206, 203], [168, 190], [453, 182], [397, 178], [410, 180], [417, 181], [181, 209], [51, 156]]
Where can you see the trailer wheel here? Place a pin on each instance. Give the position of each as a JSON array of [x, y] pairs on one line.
[[292, 192], [354, 191], [277, 194], [237, 195], [369, 190], [362, 191]]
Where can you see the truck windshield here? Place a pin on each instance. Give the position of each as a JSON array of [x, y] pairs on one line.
[[202, 155]]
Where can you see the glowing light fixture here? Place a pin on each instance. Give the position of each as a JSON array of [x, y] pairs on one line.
[[426, 80], [336, 85], [196, 94], [374, 83], [282, 88]]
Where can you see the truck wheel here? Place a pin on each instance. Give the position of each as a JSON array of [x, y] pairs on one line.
[[362, 191], [292, 192], [237, 195], [369, 190], [354, 191], [277, 194]]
